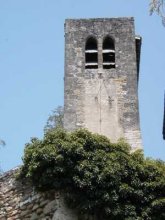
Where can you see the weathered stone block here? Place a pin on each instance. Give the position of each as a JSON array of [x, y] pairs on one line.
[[50, 207]]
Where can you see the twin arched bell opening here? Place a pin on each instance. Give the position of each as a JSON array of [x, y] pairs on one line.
[[91, 54], [108, 53]]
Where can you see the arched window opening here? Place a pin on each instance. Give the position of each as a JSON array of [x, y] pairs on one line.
[[108, 53], [91, 54]]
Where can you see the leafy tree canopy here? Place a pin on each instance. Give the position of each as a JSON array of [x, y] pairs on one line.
[[158, 6], [55, 119], [97, 176], [2, 142]]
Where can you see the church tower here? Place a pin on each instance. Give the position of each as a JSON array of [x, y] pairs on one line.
[[102, 58]]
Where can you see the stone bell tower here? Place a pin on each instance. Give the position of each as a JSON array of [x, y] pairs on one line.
[[102, 58]]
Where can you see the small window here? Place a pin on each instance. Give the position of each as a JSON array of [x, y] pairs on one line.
[[91, 54], [108, 53]]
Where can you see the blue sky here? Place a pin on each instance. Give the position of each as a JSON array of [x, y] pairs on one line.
[[32, 67]]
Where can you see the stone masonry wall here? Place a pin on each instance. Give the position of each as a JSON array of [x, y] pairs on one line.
[[19, 201], [105, 101]]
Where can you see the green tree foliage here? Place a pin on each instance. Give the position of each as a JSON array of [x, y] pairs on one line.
[[158, 6], [2, 142], [55, 120], [97, 176]]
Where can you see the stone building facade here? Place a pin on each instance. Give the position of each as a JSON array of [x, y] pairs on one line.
[[101, 93], [19, 201], [102, 59]]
